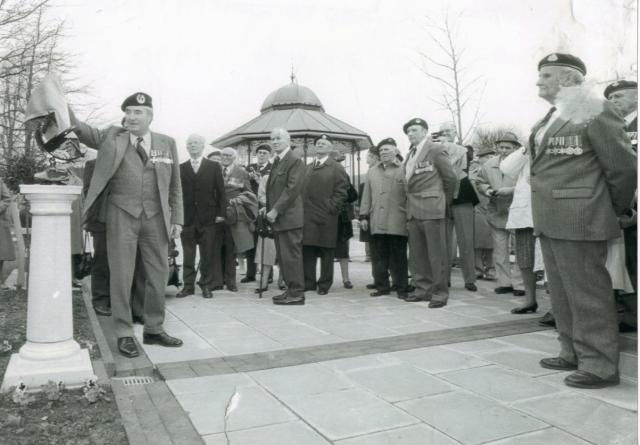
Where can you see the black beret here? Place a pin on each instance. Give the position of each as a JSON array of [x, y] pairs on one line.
[[415, 121], [322, 137], [137, 100], [265, 147], [387, 141], [560, 59], [620, 85]]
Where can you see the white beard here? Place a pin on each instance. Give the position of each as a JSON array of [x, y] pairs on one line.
[[578, 104]]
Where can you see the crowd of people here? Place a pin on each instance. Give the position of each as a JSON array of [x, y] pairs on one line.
[[561, 200]]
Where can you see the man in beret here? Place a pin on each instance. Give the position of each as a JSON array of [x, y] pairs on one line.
[[284, 211], [204, 203], [383, 215], [623, 94], [256, 171], [583, 176], [431, 183], [324, 191], [137, 174]]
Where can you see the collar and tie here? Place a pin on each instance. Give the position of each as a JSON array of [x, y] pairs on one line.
[[317, 164], [140, 149], [195, 164], [225, 171], [537, 128]]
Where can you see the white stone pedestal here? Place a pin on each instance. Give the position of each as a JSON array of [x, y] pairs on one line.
[[50, 352]]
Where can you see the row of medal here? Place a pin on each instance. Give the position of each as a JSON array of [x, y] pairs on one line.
[[565, 145]]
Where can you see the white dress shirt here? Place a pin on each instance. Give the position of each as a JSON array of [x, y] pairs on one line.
[[146, 141]]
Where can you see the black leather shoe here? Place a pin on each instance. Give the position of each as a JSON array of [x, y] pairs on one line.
[[162, 339], [371, 286], [348, 284], [102, 310], [279, 297], [437, 304], [310, 288], [503, 290], [529, 309], [216, 288], [206, 293], [558, 364], [379, 293], [232, 288], [322, 292], [584, 379], [258, 290], [411, 288], [248, 279], [548, 320], [471, 286], [412, 298], [290, 301], [185, 293], [137, 319], [519, 293], [127, 347]]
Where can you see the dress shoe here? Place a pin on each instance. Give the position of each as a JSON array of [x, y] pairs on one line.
[[279, 297], [162, 339], [105, 311], [323, 291], [412, 298], [258, 290], [479, 276], [348, 284], [310, 288], [206, 293], [185, 293], [127, 347], [137, 319], [503, 290], [282, 287], [232, 288], [528, 309], [379, 293], [371, 286], [216, 287], [437, 304], [248, 279], [557, 363], [290, 301], [410, 288], [548, 320], [519, 293], [471, 286], [584, 379]]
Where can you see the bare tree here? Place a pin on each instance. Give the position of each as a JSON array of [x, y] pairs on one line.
[[445, 63]]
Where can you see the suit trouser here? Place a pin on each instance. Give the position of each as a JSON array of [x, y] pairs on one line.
[[224, 257], [484, 261], [100, 271], [250, 255], [463, 222], [583, 304], [202, 237], [428, 257], [139, 288], [310, 256], [629, 302], [289, 255], [389, 254], [125, 234]]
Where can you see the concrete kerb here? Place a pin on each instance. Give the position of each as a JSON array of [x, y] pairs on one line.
[[107, 357]]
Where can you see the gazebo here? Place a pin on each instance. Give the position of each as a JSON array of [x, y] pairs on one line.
[[298, 110]]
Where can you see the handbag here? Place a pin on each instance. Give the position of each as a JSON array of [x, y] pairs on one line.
[[174, 268], [83, 267]]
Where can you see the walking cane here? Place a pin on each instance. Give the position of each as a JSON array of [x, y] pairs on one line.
[[261, 268]]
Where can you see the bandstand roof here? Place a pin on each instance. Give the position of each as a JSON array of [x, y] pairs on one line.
[[298, 110]]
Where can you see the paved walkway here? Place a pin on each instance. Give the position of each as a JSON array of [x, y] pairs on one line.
[[349, 369]]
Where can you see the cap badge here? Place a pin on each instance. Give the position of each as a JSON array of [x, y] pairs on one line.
[[418, 121], [615, 84], [141, 99], [552, 58]]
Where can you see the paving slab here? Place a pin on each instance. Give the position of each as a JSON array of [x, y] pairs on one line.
[[523, 360], [289, 433], [296, 381], [411, 435], [551, 436], [347, 413], [585, 417], [439, 359], [470, 419]]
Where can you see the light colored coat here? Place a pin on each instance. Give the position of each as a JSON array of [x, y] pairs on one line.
[[491, 178], [516, 165], [112, 144], [384, 200]]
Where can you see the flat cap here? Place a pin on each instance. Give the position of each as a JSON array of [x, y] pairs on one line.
[[387, 141], [415, 121], [263, 147], [620, 85], [323, 137], [561, 59], [137, 100], [509, 137]]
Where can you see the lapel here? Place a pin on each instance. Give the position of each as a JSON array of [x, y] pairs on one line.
[[554, 129], [281, 166], [421, 156], [189, 169], [122, 142]]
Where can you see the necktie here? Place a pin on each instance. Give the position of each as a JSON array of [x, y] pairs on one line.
[[225, 171], [195, 164], [537, 128], [412, 152], [317, 164], [140, 149]]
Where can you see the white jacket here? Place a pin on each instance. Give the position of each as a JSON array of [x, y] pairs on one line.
[[516, 165]]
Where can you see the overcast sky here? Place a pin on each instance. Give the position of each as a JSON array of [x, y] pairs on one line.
[[209, 64]]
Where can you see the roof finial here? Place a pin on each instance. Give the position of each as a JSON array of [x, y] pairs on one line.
[[293, 75]]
